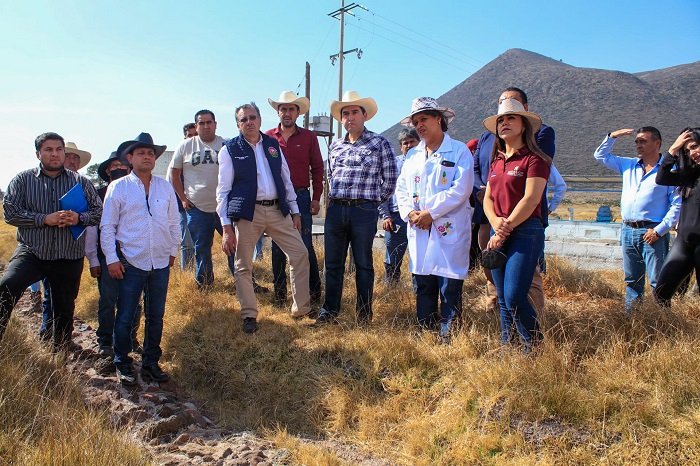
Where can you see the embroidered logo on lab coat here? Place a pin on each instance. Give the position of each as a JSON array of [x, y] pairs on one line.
[[445, 228]]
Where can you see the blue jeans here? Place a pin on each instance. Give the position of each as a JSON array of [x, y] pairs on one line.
[[428, 289], [396, 243], [279, 260], [523, 249], [186, 244], [154, 286], [350, 226], [638, 259], [202, 226], [106, 306]]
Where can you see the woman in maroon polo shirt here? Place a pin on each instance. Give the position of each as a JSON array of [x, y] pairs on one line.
[[517, 179]]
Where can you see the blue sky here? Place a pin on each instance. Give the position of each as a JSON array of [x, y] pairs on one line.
[[99, 72]]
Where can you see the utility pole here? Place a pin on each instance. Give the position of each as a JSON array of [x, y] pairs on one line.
[[340, 14], [308, 94]]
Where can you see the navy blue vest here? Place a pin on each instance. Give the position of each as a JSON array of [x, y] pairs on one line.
[[244, 189]]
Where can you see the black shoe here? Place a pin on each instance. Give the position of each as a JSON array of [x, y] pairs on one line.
[[325, 317], [106, 352], [126, 376], [259, 288], [250, 325], [153, 374], [280, 299], [104, 366], [364, 320]]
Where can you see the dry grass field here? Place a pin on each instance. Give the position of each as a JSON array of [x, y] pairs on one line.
[[603, 388]]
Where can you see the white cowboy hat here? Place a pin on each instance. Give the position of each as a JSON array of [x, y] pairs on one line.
[[512, 107], [353, 98], [289, 97], [424, 104], [84, 156]]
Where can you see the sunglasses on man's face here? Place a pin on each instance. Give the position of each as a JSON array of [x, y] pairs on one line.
[[245, 119]]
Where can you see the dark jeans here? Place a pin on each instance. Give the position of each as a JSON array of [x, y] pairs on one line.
[[106, 307], [680, 262], [279, 259], [46, 329], [63, 275], [396, 243], [202, 226], [154, 286], [186, 244], [523, 249], [430, 288], [350, 226]]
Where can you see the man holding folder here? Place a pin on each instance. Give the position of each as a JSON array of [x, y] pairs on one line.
[[47, 247]]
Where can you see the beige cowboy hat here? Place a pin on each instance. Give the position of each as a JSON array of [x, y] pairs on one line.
[[84, 155], [424, 104], [512, 107], [353, 98], [289, 97]]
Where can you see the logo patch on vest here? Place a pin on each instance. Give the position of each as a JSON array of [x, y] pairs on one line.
[[273, 152]]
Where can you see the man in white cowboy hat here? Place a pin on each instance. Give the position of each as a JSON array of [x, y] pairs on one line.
[[433, 197], [255, 195], [75, 158], [46, 245], [482, 162], [362, 174], [194, 170], [303, 156], [140, 237]]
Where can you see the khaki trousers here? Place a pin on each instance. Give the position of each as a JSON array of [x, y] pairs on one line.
[[269, 219]]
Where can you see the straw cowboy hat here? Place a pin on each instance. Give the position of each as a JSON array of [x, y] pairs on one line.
[[142, 140], [84, 156], [512, 107], [424, 104], [289, 97], [353, 98]]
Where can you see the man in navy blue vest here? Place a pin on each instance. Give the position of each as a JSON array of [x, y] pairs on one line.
[[255, 195]]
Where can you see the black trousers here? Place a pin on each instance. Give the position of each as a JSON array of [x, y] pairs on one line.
[[63, 275], [680, 262]]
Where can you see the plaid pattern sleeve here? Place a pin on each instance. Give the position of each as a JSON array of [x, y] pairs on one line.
[[365, 169]]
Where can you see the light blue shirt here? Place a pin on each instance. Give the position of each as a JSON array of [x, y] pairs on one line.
[[642, 199], [390, 205]]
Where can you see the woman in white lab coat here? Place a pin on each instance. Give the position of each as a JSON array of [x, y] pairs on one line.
[[432, 193]]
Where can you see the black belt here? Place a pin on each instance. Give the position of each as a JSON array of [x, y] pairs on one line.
[[641, 224], [349, 202], [298, 190], [268, 202]]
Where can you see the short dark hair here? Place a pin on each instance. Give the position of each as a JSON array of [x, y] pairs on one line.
[[655, 133], [408, 133], [436, 113], [523, 96], [250, 105], [43, 137], [187, 127], [204, 112]]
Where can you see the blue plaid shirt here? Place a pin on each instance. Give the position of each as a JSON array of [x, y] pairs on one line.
[[365, 169]]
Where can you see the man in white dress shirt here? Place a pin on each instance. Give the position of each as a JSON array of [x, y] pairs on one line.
[[255, 195], [140, 237]]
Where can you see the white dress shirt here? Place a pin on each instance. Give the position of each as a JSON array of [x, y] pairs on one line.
[[146, 228], [266, 184], [91, 246]]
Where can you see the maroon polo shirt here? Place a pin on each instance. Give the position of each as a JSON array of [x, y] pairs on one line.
[[303, 156], [507, 180]]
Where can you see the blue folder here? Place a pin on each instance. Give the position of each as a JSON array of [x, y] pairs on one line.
[[75, 200]]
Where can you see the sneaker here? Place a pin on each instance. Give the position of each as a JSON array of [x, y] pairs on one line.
[[126, 376], [153, 374], [325, 317], [250, 325]]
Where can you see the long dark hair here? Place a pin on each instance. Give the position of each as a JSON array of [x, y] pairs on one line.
[[528, 139], [689, 169]]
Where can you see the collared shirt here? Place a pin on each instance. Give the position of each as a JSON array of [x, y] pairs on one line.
[[301, 152], [557, 186], [642, 198], [365, 169], [91, 244], [390, 205], [147, 228], [199, 162], [266, 185], [32, 196], [508, 177]]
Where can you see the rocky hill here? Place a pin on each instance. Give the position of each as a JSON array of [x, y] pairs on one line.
[[582, 104]]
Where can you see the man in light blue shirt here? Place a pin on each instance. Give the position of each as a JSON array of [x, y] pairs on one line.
[[648, 209]]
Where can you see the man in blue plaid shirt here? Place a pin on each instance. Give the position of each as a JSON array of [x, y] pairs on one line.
[[362, 174]]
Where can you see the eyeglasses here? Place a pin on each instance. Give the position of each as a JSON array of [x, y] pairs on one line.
[[245, 119]]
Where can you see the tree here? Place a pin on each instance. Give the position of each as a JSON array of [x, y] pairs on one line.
[[91, 174]]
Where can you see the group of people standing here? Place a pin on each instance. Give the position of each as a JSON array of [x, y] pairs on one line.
[[429, 199]]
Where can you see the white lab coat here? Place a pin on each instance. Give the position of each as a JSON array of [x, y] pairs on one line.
[[441, 184]]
